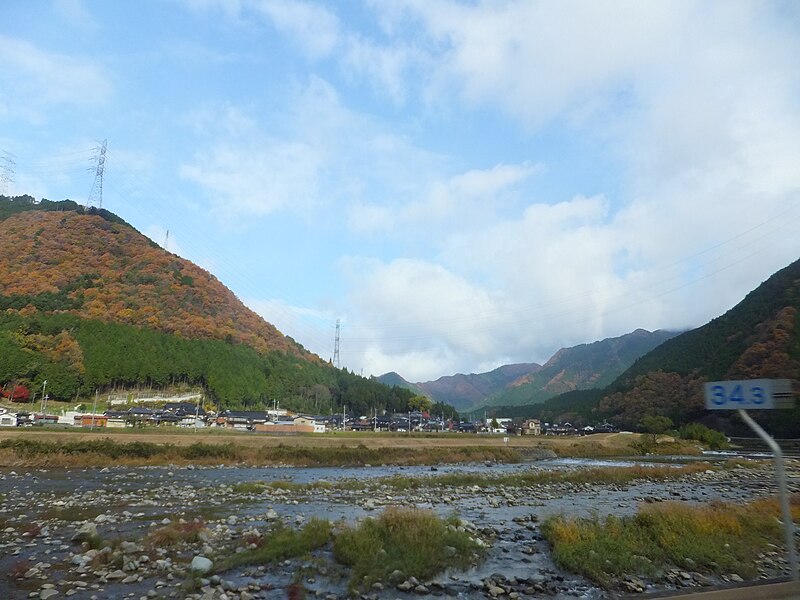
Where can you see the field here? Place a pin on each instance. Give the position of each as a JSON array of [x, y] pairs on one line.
[[63, 448], [602, 443]]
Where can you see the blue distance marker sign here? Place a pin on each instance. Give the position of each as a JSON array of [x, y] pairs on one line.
[[761, 394]]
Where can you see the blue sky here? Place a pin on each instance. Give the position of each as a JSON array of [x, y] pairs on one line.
[[463, 184]]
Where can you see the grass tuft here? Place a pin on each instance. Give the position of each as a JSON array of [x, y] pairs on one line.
[[715, 538], [176, 533], [282, 543], [416, 542]]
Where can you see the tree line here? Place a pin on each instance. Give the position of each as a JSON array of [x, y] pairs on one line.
[[78, 356]]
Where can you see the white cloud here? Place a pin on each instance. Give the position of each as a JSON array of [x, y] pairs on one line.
[[313, 27], [33, 79], [258, 178], [76, 14], [464, 199], [314, 153]]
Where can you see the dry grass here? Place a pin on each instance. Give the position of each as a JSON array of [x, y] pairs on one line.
[[714, 538], [176, 533], [323, 449]]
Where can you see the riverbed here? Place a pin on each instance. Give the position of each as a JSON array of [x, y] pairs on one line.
[[42, 510]]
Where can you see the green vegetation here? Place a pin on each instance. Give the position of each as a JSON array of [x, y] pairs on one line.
[[12, 205], [281, 543], [525, 479], [108, 355], [414, 542], [362, 455], [584, 366], [249, 487], [713, 439], [716, 538], [107, 448], [142, 316]]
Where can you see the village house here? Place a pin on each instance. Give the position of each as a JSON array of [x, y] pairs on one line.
[[532, 427]]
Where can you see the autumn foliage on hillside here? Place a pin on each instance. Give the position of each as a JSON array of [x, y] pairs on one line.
[[758, 338], [84, 265]]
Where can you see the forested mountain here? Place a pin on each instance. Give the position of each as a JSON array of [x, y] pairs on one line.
[[87, 302], [586, 366], [392, 379], [465, 391], [759, 337]]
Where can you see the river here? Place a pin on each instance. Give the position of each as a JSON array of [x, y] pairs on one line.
[[125, 503]]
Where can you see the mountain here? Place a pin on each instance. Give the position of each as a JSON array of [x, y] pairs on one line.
[[467, 391], [759, 337], [586, 366], [395, 379], [95, 268], [87, 302]]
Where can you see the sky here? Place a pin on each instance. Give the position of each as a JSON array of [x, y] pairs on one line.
[[461, 184]]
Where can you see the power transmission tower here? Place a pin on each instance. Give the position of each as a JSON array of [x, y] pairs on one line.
[[336, 344], [166, 241], [96, 195], [6, 172]]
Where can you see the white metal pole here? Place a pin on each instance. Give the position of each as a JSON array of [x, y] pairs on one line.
[[94, 409], [780, 475]]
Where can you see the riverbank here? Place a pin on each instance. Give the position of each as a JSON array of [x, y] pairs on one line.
[[33, 447]]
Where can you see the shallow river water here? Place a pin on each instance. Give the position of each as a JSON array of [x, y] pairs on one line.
[[40, 511]]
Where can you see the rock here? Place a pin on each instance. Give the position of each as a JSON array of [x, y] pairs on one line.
[[405, 586], [397, 576], [634, 585], [420, 589], [200, 564], [118, 574], [85, 533], [128, 547], [495, 590], [48, 593]]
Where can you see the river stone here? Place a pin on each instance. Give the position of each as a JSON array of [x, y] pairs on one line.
[[84, 533], [495, 591], [48, 593], [201, 564], [632, 584], [118, 574]]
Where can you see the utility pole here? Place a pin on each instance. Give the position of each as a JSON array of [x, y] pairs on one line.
[[96, 194], [44, 396]]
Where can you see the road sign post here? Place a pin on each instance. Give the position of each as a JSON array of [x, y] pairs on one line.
[[761, 394]]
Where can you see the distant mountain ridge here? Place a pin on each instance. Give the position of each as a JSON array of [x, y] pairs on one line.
[[580, 367], [466, 391]]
